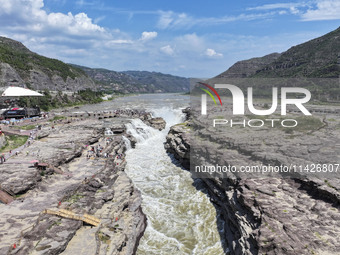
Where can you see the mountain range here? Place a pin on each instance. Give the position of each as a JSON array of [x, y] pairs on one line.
[[317, 58], [137, 81], [21, 67], [310, 64]]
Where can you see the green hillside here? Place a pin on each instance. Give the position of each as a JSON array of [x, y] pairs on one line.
[[23, 60]]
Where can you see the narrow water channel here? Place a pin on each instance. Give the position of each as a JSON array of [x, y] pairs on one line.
[[181, 219]]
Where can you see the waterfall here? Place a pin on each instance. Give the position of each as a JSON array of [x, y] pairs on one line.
[[139, 130], [170, 115], [181, 219], [127, 143]]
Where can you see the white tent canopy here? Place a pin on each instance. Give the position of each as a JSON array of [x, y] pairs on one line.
[[19, 92]]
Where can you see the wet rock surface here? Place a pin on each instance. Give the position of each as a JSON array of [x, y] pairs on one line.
[[157, 123], [296, 214], [178, 144], [75, 180]]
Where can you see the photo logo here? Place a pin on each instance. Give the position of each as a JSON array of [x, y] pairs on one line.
[[294, 96], [239, 101], [204, 97]]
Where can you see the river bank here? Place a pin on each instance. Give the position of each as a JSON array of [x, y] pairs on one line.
[[181, 219], [146, 183], [268, 215], [84, 175]]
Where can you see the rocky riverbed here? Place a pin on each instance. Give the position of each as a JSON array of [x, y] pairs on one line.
[[297, 214], [84, 175]]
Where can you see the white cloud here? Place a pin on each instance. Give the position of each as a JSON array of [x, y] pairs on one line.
[[21, 15], [119, 41], [213, 53], [167, 50], [165, 19], [277, 6], [99, 19], [325, 10], [76, 38], [146, 36], [308, 11], [78, 24], [82, 3], [191, 42], [72, 38], [293, 8], [172, 20]]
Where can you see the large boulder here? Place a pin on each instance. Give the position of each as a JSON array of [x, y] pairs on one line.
[[157, 123], [177, 143]]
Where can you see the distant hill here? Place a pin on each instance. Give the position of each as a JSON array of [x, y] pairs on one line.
[[21, 67], [160, 81], [247, 68], [317, 58], [138, 81], [112, 80]]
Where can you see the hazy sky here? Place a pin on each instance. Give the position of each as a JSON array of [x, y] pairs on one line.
[[188, 38]]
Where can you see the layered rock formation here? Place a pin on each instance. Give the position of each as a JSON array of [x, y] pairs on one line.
[[75, 180], [178, 144], [268, 214], [39, 80], [246, 68]]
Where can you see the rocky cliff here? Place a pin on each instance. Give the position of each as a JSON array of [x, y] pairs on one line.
[[316, 58], [247, 68], [21, 67], [178, 144], [268, 214]]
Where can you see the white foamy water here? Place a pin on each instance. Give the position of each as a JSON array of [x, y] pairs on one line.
[[181, 219]]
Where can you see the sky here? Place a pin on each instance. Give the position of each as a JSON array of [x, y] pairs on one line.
[[187, 38]]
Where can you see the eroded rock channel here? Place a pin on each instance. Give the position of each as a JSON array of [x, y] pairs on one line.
[[266, 215]]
